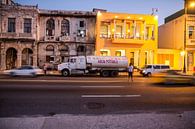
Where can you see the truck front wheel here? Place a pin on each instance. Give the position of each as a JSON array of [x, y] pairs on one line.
[[65, 73]]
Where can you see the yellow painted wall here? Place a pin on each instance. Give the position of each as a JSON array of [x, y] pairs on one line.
[[128, 45]]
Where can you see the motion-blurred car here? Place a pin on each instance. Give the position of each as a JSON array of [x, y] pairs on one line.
[[25, 71], [177, 77]]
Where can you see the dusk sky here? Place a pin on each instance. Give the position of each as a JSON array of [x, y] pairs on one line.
[[165, 7]]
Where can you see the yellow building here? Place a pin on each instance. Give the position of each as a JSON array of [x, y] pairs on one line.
[[130, 35], [177, 39]]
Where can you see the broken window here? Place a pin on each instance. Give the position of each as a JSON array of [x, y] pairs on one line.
[[11, 25], [81, 49], [27, 25], [82, 24], [65, 27], [50, 27]]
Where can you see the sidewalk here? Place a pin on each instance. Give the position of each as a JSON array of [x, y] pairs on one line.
[[115, 121]]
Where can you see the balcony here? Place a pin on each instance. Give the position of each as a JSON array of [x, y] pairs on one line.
[[128, 39], [191, 42], [26, 35], [65, 38], [10, 35], [49, 38], [81, 39]]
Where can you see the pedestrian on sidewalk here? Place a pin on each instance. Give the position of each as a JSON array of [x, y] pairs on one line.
[[45, 68], [130, 72]]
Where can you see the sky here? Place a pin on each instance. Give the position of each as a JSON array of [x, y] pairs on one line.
[[165, 7]]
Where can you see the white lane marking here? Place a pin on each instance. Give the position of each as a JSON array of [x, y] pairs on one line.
[[102, 81], [102, 86], [110, 96]]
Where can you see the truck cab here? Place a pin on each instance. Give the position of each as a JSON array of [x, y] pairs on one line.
[[75, 65]]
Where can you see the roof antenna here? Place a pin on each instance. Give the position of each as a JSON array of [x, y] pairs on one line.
[[154, 10]]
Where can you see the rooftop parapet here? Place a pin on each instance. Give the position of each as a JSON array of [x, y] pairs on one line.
[[66, 13]]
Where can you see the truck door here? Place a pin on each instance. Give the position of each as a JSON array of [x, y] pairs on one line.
[[72, 63], [81, 63]]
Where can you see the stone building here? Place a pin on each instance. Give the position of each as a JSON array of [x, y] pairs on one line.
[[18, 34], [65, 33], [32, 36]]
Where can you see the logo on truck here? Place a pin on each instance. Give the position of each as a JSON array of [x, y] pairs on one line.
[[108, 61]]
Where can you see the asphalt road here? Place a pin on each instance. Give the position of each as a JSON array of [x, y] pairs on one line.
[[50, 95]]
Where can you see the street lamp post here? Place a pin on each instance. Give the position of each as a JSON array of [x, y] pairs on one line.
[[184, 47]]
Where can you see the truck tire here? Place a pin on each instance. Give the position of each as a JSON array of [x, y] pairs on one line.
[[114, 73], [149, 74], [105, 73], [65, 73]]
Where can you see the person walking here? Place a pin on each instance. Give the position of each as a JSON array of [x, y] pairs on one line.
[[130, 72]]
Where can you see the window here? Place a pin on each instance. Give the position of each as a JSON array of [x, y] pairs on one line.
[[129, 30], [81, 24], [27, 25], [191, 33], [81, 49], [104, 53], [50, 27], [119, 30], [81, 33], [165, 67], [65, 27], [138, 33], [105, 30], [156, 66], [11, 25], [118, 53], [50, 53]]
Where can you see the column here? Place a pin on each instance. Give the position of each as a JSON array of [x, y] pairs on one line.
[[3, 56], [124, 29], [134, 31], [114, 28]]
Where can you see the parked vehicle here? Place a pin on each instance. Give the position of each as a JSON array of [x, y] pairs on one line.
[[25, 71], [104, 65], [150, 69]]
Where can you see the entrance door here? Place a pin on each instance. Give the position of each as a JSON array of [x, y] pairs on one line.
[[27, 57], [190, 61], [11, 58], [132, 58]]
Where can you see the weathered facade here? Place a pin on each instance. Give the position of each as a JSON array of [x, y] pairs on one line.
[[32, 36], [65, 33], [18, 35]]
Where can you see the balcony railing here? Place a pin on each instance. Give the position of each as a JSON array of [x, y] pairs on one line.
[[10, 35], [25, 34]]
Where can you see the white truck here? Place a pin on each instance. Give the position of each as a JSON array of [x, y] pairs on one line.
[[104, 65]]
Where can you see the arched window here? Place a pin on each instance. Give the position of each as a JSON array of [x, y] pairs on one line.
[[50, 53], [65, 27], [50, 27], [64, 48], [64, 53]]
